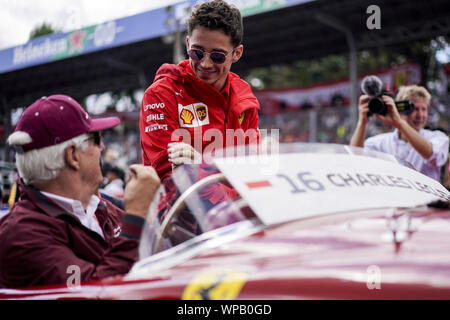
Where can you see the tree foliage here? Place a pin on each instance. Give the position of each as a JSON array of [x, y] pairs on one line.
[[336, 67], [42, 30]]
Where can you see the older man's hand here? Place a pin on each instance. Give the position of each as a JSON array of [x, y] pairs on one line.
[[140, 190]]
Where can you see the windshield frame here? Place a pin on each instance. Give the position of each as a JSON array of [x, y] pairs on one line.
[[173, 256], [183, 178]]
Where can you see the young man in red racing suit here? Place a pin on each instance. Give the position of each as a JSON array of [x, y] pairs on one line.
[[199, 99]]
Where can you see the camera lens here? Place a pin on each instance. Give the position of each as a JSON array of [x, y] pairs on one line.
[[376, 106]]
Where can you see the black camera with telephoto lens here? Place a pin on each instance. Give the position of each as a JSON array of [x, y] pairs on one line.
[[374, 88]]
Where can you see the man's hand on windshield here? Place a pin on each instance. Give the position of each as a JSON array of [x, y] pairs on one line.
[[182, 153]]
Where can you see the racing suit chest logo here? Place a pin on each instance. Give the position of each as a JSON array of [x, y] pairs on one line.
[[201, 112], [153, 106], [186, 116], [241, 117], [193, 115]]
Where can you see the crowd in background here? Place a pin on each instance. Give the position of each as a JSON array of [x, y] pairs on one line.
[[331, 124]]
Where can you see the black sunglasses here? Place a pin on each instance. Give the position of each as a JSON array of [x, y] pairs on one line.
[[216, 57], [96, 136]]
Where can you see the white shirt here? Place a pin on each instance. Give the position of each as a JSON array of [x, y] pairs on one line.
[[4, 210], [87, 218], [392, 144], [115, 188]]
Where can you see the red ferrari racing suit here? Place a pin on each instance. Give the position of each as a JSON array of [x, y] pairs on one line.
[[178, 104]]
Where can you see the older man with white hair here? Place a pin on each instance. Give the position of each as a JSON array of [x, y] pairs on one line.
[[60, 226]]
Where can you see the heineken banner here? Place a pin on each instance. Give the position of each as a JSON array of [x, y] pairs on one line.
[[98, 37], [147, 25]]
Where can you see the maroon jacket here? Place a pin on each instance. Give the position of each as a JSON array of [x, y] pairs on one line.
[[39, 241]]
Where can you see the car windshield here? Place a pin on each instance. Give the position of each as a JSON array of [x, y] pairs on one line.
[[267, 188], [193, 200]]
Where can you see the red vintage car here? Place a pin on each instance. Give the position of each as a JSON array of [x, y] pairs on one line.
[[312, 221]]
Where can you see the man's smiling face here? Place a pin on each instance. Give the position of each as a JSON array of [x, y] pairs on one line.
[[210, 41]]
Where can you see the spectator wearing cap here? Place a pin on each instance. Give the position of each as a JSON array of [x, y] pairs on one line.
[[59, 224]]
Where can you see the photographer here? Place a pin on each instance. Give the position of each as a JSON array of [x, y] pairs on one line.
[[426, 150]]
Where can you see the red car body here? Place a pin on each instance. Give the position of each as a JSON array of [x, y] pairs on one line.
[[374, 253]]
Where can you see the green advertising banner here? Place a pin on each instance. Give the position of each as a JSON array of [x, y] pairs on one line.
[[251, 7]]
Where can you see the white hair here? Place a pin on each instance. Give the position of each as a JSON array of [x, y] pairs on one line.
[[37, 167]]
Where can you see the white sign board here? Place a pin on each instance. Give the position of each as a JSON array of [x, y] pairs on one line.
[[309, 184]]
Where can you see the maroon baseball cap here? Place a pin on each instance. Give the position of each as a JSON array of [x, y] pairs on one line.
[[58, 118]]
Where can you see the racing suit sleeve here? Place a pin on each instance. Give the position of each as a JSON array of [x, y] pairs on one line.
[[247, 121], [253, 120], [158, 119]]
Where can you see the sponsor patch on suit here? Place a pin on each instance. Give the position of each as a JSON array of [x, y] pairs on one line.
[[155, 127], [193, 115]]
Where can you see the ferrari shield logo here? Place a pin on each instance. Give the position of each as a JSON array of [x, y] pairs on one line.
[[193, 115], [215, 285], [241, 117]]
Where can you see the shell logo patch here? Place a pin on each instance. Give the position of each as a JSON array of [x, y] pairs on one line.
[[241, 117], [215, 285], [193, 115], [186, 116]]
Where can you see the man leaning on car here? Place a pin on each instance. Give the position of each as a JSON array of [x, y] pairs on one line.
[[60, 225], [426, 150]]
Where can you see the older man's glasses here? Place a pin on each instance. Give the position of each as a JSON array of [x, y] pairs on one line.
[[215, 56], [96, 137]]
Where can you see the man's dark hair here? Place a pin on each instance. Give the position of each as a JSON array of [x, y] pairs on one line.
[[118, 172], [218, 15]]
